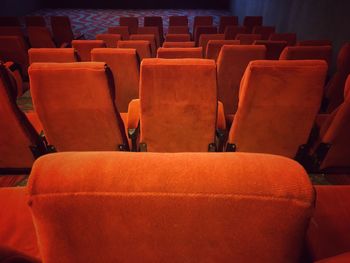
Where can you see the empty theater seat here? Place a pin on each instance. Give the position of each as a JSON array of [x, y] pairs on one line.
[[169, 207], [178, 21], [124, 64], [264, 31], [14, 31], [290, 38], [40, 37], [84, 47], [247, 39], [204, 39], [252, 21], [231, 64], [177, 37], [58, 55], [123, 31], [143, 47], [195, 52], [109, 39], [179, 44], [148, 37], [273, 48], [214, 47], [227, 21], [156, 21], [75, 104], [34, 21], [202, 21], [151, 30], [203, 30], [232, 31], [178, 30], [278, 103], [131, 22], [62, 30]]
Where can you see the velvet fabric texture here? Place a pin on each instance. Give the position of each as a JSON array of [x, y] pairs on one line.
[[227, 21], [203, 30], [204, 39], [109, 39], [34, 21], [40, 37], [232, 31], [148, 37], [178, 37], [231, 64], [151, 30], [75, 104], [123, 31], [34, 121], [247, 39], [17, 229], [57, 55], [61, 29], [214, 47], [178, 30], [201, 21], [178, 211], [273, 48], [291, 38], [278, 104], [264, 31], [186, 44], [84, 47], [131, 22], [178, 21], [195, 52], [181, 117], [143, 47], [328, 233], [155, 21], [252, 21], [125, 67], [14, 31]]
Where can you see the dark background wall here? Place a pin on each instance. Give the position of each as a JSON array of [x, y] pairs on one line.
[[310, 19], [18, 7]]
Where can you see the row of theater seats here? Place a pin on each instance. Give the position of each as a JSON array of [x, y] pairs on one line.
[[166, 207]]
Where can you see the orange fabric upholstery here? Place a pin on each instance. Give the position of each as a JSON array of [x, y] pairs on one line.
[[123, 31], [252, 21], [75, 104], [178, 30], [327, 234], [290, 38], [202, 21], [308, 52], [248, 39], [131, 22], [58, 55], [315, 43], [148, 37], [214, 47], [143, 47], [195, 52], [40, 37], [61, 29], [278, 103], [133, 114], [109, 39], [204, 39], [273, 48], [178, 21], [178, 37], [9, 21], [154, 207], [34, 120], [227, 21], [342, 258], [16, 78], [34, 21], [151, 30], [84, 47], [335, 87], [187, 44], [203, 30], [264, 31], [157, 21], [14, 31], [17, 229], [232, 31], [231, 64], [125, 67], [181, 117]]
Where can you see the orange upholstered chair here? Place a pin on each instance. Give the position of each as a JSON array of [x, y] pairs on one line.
[[264, 31], [123, 31], [109, 39], [84, 47], [335, 88], [204, 39], [203, 30], [9, 21], [57, 55], [148, 37], [156, 21], [202, 21], [181, 117], [195, 52], [143, 47], [161, 207], [227, 21], [179, 44], [125, 65], [62, 30], [20, 144], [247, 39], [34, 21], [278, 103], [178, 30], [231, 64], [40, 37], [290, 38], [177, 37], [252, 21], [214, 47], [273, 48], [151, 30], [307, 52], [232, 31], [178, 21], [324, 42], [14, 31], [75, 104], [131, 22]]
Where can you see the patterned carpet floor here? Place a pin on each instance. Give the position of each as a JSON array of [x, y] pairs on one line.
[[96, 21]]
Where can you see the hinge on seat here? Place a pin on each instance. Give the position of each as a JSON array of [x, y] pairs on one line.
[[231, 147]]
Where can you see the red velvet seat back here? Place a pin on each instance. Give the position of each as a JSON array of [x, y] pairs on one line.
[[252, 21], [291, 38], [264, 31], [232, 31], [109, 39], [151, 30], [178, 30], [156, 21], [58, 55], [189, 44], [247, 39], [273, 48], [151, 207], [147, 37], [203, 30], [202, 21], [84, 47], [143, 47], [182, 116], [177, 38], [131, 22], [123, 31], [204, 39], [178, 21], [61, 29], [214, 47], [227, 21], [278, 103], [40, 37], [171, 53]]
